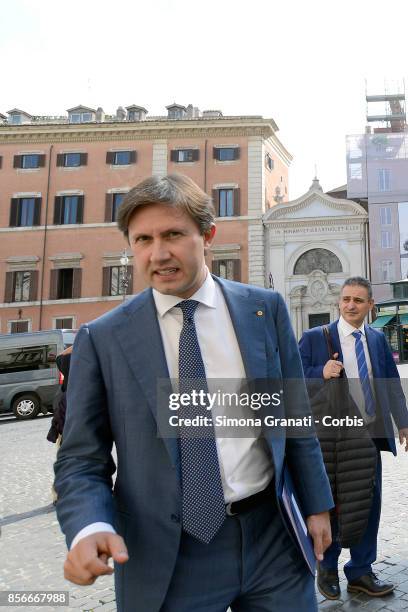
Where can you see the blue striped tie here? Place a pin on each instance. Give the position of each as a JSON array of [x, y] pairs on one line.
[[363, 374], [202, 492]]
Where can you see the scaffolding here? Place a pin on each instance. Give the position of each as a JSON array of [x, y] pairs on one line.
[[387, 110]]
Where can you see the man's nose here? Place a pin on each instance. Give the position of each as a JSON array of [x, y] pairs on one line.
[[159, 251]]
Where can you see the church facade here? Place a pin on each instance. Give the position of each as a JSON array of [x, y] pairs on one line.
[[313, 244]]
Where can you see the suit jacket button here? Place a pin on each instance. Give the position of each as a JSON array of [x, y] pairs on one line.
[[175, 518]]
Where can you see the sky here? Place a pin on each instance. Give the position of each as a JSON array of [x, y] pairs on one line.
[[305, 64]]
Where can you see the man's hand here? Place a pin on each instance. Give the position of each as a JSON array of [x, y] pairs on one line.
[[403, 433], [320, 530], [89, 558], [333, 368]]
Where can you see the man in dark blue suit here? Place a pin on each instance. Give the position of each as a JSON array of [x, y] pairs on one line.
[[363, 353], [191, 523]]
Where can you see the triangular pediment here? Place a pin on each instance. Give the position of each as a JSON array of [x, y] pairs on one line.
[[314, 205]]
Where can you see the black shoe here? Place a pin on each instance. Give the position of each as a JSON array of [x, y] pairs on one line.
[[371, 585], [328, 582]]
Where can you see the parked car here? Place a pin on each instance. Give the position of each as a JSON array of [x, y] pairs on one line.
[[29, 377]]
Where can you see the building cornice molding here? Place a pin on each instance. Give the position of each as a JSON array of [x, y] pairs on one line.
[[282, 211], [146, 130], [315, 222], [280, 150]]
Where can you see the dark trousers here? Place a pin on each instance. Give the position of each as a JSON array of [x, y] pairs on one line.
[[251, 565], [365, 552]]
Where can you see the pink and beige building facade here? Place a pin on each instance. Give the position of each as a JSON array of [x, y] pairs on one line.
[[63, 178]]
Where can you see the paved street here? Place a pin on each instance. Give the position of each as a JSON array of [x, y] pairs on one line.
[[32, 548]]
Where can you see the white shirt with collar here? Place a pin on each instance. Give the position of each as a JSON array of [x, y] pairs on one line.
[[348, 343], [245, 463]]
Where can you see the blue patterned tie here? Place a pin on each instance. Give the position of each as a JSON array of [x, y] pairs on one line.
[[202, 492], [363, 374]]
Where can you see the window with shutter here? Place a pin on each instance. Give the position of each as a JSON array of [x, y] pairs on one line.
[[226, 203], [68, 209], [64, 323], [115, 287], [185, 155], [25, 212], [121, 158], [31, 161], [72, 160], [226, 269], [64, 283], [226, 153], [21, 286], [269, 163], [19, 327]]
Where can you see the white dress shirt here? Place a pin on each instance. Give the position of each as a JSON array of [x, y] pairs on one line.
[[348, 342], [245, 464]]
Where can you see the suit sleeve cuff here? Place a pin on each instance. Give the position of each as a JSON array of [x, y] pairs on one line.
[[89, 530]]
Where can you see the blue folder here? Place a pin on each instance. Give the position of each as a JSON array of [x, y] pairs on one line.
[[295, 520]]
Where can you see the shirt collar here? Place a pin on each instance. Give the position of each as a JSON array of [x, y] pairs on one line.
[[347, 329], [206, 295]]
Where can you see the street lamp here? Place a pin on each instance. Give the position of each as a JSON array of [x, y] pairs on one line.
[[124, 277]]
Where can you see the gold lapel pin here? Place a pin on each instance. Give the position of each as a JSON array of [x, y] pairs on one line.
[[259, 313]]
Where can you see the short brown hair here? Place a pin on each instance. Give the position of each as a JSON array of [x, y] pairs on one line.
[[175, 190]]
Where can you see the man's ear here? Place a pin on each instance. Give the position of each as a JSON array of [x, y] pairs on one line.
[[209, 236]]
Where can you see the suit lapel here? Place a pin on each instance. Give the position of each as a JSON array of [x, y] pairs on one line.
[[139, 336], [248, 319]]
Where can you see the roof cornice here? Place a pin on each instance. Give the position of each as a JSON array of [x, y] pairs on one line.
[[144, 130]]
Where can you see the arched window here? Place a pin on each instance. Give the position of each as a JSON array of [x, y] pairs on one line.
[[317, 259]]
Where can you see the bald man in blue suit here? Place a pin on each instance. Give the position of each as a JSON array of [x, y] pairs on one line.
[[363, 353]]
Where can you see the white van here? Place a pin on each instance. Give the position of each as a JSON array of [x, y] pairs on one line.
[[29, 377]]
